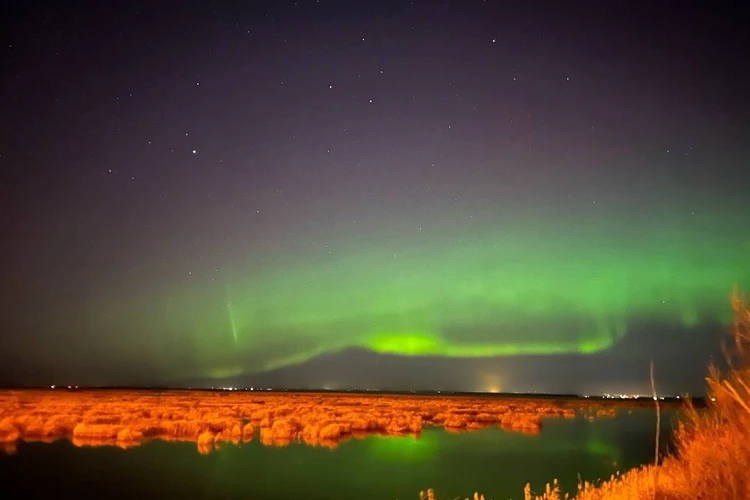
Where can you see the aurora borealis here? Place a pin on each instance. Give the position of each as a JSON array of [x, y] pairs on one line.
[[560, 299], [435, 195]]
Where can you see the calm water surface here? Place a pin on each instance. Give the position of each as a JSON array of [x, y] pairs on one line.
[[492, 461]]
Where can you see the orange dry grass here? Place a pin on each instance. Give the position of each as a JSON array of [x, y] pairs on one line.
[[210, 419]]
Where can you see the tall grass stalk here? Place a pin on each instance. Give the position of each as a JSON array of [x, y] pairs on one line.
[[658, 426]]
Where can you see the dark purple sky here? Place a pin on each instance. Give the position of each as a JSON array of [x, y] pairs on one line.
[[162, 163]]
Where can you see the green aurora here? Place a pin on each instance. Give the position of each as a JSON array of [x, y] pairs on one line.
[[570, 291]]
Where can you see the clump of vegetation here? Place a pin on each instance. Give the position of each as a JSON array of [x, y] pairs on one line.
[[712, 459], [430, 495], [212, 419]]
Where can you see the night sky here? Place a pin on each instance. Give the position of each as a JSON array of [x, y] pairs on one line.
[[477, 195]]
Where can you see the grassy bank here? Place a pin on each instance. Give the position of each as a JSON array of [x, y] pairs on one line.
[[712, 456]]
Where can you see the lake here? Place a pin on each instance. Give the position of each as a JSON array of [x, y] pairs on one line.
[[493, 461]]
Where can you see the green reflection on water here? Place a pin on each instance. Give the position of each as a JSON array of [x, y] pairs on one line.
[[492, 461], [405, 449]]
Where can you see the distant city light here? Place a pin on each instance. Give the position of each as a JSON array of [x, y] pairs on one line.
[[631, 396]]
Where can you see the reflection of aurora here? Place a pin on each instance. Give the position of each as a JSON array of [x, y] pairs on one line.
[[597, 446], [415, 449], [405, 448], [567, 293]]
